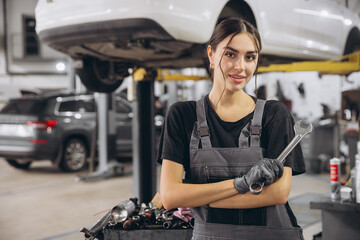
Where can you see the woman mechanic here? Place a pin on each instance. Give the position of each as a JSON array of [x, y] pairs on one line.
[[213, 149]]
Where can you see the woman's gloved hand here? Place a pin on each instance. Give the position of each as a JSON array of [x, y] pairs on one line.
[[266, 170]]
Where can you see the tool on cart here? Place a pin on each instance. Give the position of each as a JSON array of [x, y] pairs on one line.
[[129, 215], [156, 201], [97, 228], [301, 128], [123, 210]]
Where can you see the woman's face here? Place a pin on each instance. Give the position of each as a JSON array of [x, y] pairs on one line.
[[238, 63]]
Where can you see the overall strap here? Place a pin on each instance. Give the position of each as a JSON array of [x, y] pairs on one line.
[[202, 126], [255, 127], [244, 136]]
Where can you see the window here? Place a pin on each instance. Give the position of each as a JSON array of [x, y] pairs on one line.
[[23, 106], [31, 42], [69, 106]]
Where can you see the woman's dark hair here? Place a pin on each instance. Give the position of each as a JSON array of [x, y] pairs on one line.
[[232, 27]]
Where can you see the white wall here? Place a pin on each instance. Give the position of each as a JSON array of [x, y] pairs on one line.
[[17, 62], [10, 83], [326, 89], [36, 81], [15, 10]]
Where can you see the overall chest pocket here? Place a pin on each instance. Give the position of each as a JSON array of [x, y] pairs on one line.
[[220, 173], [255, 216]]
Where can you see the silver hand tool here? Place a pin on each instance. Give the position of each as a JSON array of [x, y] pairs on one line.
[[301, 129]]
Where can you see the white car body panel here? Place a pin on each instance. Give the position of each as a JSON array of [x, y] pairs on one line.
[[329, 32], [181, 19], [278, 36], [287, 27]]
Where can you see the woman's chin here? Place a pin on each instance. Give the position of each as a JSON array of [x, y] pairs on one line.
[[235, 88]]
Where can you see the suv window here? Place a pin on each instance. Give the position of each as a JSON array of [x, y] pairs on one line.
[[69, 106], [23, 106], [83, 105]]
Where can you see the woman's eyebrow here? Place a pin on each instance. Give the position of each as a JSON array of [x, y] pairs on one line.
[[230, 48], [234, 50]]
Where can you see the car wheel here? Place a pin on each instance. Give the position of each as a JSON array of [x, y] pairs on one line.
[[74, 156], [18, 163], [102, 76], [353, 42]]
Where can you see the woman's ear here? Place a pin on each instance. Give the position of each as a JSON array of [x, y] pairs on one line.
[[210, 56]]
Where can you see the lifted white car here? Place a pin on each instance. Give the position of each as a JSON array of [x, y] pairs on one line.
[[110, 36]]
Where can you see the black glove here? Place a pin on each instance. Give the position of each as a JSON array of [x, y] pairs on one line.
[[266, 170]]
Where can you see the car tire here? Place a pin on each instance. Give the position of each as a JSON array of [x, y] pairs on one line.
[[353, 42], [74, 155], [102, 76], [19, 164]]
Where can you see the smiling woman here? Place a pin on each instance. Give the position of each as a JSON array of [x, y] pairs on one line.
[[225, 141]]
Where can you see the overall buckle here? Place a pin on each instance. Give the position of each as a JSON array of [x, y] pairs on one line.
[[204, 131], [255, 130]]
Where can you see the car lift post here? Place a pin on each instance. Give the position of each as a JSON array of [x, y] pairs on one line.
[[144, 166], [102, 132], [71, 74]]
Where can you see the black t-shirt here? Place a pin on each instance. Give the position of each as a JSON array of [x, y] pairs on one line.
[[277, 132]]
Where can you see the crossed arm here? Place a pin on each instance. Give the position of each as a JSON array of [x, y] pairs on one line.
[[222, 194]]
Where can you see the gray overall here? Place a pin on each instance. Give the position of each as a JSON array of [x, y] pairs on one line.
[[209, 164]]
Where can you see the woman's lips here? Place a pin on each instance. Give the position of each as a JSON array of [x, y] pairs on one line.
[[236, 78]]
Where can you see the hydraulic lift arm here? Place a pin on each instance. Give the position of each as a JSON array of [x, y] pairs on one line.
[[341, 66]]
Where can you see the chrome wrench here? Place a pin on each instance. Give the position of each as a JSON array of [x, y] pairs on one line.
[[301, 130]]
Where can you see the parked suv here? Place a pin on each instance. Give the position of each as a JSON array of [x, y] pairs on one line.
[[59, 127]]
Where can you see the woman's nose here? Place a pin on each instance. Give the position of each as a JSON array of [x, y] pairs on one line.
[[240, 64]]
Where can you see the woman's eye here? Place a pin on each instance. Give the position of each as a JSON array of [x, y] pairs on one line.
[[251, 57], [230, 54]]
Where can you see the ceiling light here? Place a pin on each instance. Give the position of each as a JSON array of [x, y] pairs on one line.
[[60, 66]]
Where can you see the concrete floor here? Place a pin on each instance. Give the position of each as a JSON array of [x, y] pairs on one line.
[[45, 203]]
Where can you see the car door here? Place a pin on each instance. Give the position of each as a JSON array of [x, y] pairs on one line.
[[77, 115], [322, 27], [87, 111]]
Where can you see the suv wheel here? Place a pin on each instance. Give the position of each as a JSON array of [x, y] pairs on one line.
[[18, 163], [74, 155], [101, 75]]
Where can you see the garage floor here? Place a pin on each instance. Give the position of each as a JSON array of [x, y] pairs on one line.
[[45, 203]]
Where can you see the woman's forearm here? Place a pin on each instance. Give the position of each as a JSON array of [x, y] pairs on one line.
[[274, 194], [194, 195], [175, 194]]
